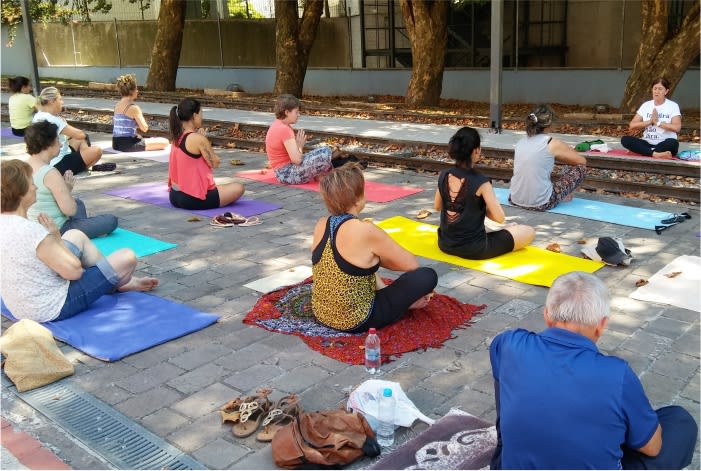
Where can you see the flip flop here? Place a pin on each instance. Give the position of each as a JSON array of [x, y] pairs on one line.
[[234, 218], [252, 221], [221, 221], [423, 214]]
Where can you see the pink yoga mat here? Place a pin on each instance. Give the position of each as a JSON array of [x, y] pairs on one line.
[[626, 153], [157, 194], [375, 192]]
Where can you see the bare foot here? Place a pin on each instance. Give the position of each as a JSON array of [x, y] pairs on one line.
[[422, 302], [568, 198], [663, 155], [140, 284]]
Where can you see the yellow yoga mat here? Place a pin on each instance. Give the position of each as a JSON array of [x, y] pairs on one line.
[[531, 265]]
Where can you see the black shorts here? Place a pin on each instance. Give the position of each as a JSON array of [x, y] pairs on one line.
[[18, 132], [497, 243], [72, 161], [128, 144], [185, 201]]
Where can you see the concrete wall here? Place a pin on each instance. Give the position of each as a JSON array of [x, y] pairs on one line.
[[567, 86], [618, 28]]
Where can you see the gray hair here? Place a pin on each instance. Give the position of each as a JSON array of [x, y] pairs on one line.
[[578, 297]]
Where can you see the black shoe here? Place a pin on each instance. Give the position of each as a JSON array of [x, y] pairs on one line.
[[676, 218], [106, 167]]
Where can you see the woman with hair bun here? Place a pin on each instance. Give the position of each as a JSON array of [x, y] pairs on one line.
[[190, 178], [464, 198], [128, 118], [534, 159], [21, 105]]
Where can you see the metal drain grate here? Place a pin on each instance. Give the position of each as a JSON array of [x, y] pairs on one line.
[[106, 431]]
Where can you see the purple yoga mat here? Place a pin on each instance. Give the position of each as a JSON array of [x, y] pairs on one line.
[[7, 133], [157, 194]]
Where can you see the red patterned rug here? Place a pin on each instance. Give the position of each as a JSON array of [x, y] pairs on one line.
[[288, 310]]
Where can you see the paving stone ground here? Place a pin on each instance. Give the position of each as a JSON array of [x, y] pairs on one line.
[[175, 389]]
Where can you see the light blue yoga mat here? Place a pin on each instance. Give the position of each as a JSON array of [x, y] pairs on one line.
[[117, 325], [600, 211], [121, 238]]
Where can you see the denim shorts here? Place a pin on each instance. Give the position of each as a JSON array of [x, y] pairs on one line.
[[96, 281]]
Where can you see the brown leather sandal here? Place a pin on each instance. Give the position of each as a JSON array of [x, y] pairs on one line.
[[251, 415], [284, 411]]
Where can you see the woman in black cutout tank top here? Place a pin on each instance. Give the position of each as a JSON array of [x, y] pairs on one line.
[[464, 198]]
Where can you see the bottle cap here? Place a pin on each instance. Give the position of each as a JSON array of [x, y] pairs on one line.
[[387, 392], [372, 330]]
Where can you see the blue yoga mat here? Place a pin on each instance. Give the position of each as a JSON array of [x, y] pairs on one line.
[[600, 211], [121, 238], [117, 325]]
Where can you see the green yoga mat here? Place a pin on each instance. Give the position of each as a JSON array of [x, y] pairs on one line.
[[121, 238]]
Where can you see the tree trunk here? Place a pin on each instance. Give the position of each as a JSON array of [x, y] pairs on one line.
[[165, 56], [293, 42], [426, 24], [659, 56]]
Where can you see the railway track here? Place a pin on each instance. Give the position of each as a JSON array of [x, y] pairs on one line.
[[606, 173], [361, 110]]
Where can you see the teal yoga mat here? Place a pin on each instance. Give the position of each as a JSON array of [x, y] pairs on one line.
[[600, 211], [121, 238]]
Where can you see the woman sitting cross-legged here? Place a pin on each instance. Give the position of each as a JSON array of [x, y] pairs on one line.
[[534, 159], [464, 197], [128, 118], [285, 148], [660, 120], [47, 277], [54, 198], [190, 178], [76, 153], [22, 104], [347, 294]]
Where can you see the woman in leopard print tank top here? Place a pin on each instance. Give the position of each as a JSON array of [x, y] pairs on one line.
[[347, 252]]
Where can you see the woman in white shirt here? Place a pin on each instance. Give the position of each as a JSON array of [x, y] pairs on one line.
[[46, 276], [76, 153], [660, 120]]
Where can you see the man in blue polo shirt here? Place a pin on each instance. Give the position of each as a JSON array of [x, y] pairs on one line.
[[563, 405]]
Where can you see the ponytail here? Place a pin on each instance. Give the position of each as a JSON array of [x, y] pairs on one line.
[[462, 145], [183, 111]]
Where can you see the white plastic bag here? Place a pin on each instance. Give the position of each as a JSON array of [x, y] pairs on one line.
[[365, 399]]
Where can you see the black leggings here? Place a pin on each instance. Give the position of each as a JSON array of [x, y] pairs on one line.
[[185, 201], [393, 301], [642, 147]]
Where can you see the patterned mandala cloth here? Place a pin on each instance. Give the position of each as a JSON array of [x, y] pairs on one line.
[[288, 310]]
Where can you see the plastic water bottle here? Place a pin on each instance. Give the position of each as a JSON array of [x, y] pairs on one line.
[[385, 427], [372, 352]]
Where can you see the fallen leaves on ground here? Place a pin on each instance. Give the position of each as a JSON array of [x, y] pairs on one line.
[[554, 247], [641, 282], [194, 219], [673, 274]]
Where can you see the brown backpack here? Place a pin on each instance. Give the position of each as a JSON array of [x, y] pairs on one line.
[[333, 437]]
